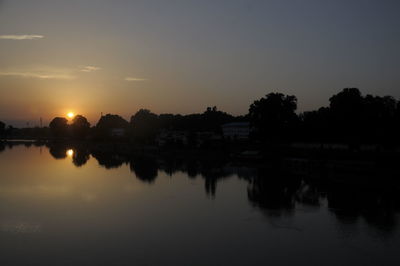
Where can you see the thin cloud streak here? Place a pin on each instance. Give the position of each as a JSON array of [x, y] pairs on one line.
[[89, 68], [21, 37], [134, 79], [37, 75]]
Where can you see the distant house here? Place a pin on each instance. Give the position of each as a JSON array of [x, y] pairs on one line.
[[236, 130], [117, 132]]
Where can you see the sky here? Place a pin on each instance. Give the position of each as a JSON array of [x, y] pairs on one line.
[[93, 56]]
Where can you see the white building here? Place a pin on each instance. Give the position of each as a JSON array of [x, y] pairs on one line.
[[236, 130]]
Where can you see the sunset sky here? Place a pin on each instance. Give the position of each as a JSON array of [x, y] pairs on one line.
[[92, 56]]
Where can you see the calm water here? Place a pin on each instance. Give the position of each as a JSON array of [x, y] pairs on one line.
[[71, 207]]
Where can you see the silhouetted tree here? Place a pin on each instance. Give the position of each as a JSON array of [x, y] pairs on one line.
[[379, 115], [109, 122], [59, 127], [2, 128], [346, 111], [144, 126], [273, 117], [80, 127], [354, 119], [350, 118], [212, 119], [316, 125]]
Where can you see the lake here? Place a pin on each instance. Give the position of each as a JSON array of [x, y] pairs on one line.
[[66, 206]]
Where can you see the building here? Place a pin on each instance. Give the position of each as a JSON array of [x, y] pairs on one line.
[[236, 130]]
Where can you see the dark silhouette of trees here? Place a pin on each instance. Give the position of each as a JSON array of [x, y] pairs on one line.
[[273, 117], [379, 120], [59, 127], [2, 128], [109, 122], [316, 125], [80, 127], [352, 118], [144, 126], [346, 112], [212, 119]]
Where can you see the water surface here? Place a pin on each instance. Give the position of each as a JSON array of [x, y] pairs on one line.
[[61, 206]]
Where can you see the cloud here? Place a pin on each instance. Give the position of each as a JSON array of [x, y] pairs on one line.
[[38, 75], [135, 79], [89, 68], [21, 37]]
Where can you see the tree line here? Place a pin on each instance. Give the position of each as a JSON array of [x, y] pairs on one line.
[[350, 118]]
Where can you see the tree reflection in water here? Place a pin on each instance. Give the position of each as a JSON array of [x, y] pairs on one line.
[[275, 189], [80, 157], [109, 160], [144, 167], [58, 151]]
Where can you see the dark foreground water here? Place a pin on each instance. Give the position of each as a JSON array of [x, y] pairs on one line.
[[71, 207]]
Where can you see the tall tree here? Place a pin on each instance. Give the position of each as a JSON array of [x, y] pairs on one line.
[[59, 127], [80, 127], [109, 122], [347, 106], [212, 119], [144, 125], [273, 116]]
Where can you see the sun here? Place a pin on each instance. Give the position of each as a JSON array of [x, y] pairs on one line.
[[70, 152], [70, 114]]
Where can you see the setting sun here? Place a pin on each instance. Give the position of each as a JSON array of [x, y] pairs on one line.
[[70, 114], [70, 152]]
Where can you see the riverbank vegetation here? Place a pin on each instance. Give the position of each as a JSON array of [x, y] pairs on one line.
[[351, 118]]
